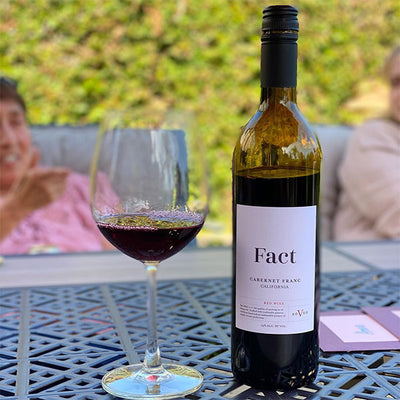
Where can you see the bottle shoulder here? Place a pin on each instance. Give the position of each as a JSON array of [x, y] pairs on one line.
[[280, 124], [277, 136]]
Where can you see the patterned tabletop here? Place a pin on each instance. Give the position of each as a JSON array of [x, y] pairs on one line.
[[57, 342]]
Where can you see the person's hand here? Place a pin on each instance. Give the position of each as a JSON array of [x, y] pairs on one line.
[[37, 188]]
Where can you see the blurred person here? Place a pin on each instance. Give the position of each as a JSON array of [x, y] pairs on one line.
[[41, 209], [369, 204]]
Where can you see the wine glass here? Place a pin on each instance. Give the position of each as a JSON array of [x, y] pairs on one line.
[[149, 199]]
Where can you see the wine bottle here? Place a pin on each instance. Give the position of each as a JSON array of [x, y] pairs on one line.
[[276, 166]]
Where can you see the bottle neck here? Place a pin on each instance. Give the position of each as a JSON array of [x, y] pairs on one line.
[[275, 95], [279, 66]]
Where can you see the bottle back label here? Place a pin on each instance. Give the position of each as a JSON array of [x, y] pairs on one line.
[[275, 269]]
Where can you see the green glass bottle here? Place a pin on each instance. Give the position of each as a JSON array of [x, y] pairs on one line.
[[276, 175]]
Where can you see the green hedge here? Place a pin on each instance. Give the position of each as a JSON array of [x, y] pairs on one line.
[[75, 59]]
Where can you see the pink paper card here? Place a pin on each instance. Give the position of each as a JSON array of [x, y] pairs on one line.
[[389, 317], [354, 331]]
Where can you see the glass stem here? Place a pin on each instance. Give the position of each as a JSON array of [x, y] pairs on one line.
[[152, 358]]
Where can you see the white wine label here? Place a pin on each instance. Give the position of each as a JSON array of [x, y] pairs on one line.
[[275, 269]]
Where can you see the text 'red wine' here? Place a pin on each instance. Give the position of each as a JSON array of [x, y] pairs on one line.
[[276, 172], [151, 237]]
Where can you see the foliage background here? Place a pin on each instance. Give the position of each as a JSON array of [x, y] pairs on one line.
[[75, 59]]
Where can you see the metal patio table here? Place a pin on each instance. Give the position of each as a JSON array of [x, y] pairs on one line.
[[56, 342]]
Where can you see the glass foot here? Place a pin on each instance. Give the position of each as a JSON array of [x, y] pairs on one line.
[[167, 382]]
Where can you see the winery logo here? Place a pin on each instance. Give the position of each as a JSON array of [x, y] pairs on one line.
[[300, 313]]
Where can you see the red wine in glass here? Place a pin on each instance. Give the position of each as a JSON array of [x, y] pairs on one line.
[[152, 236]]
